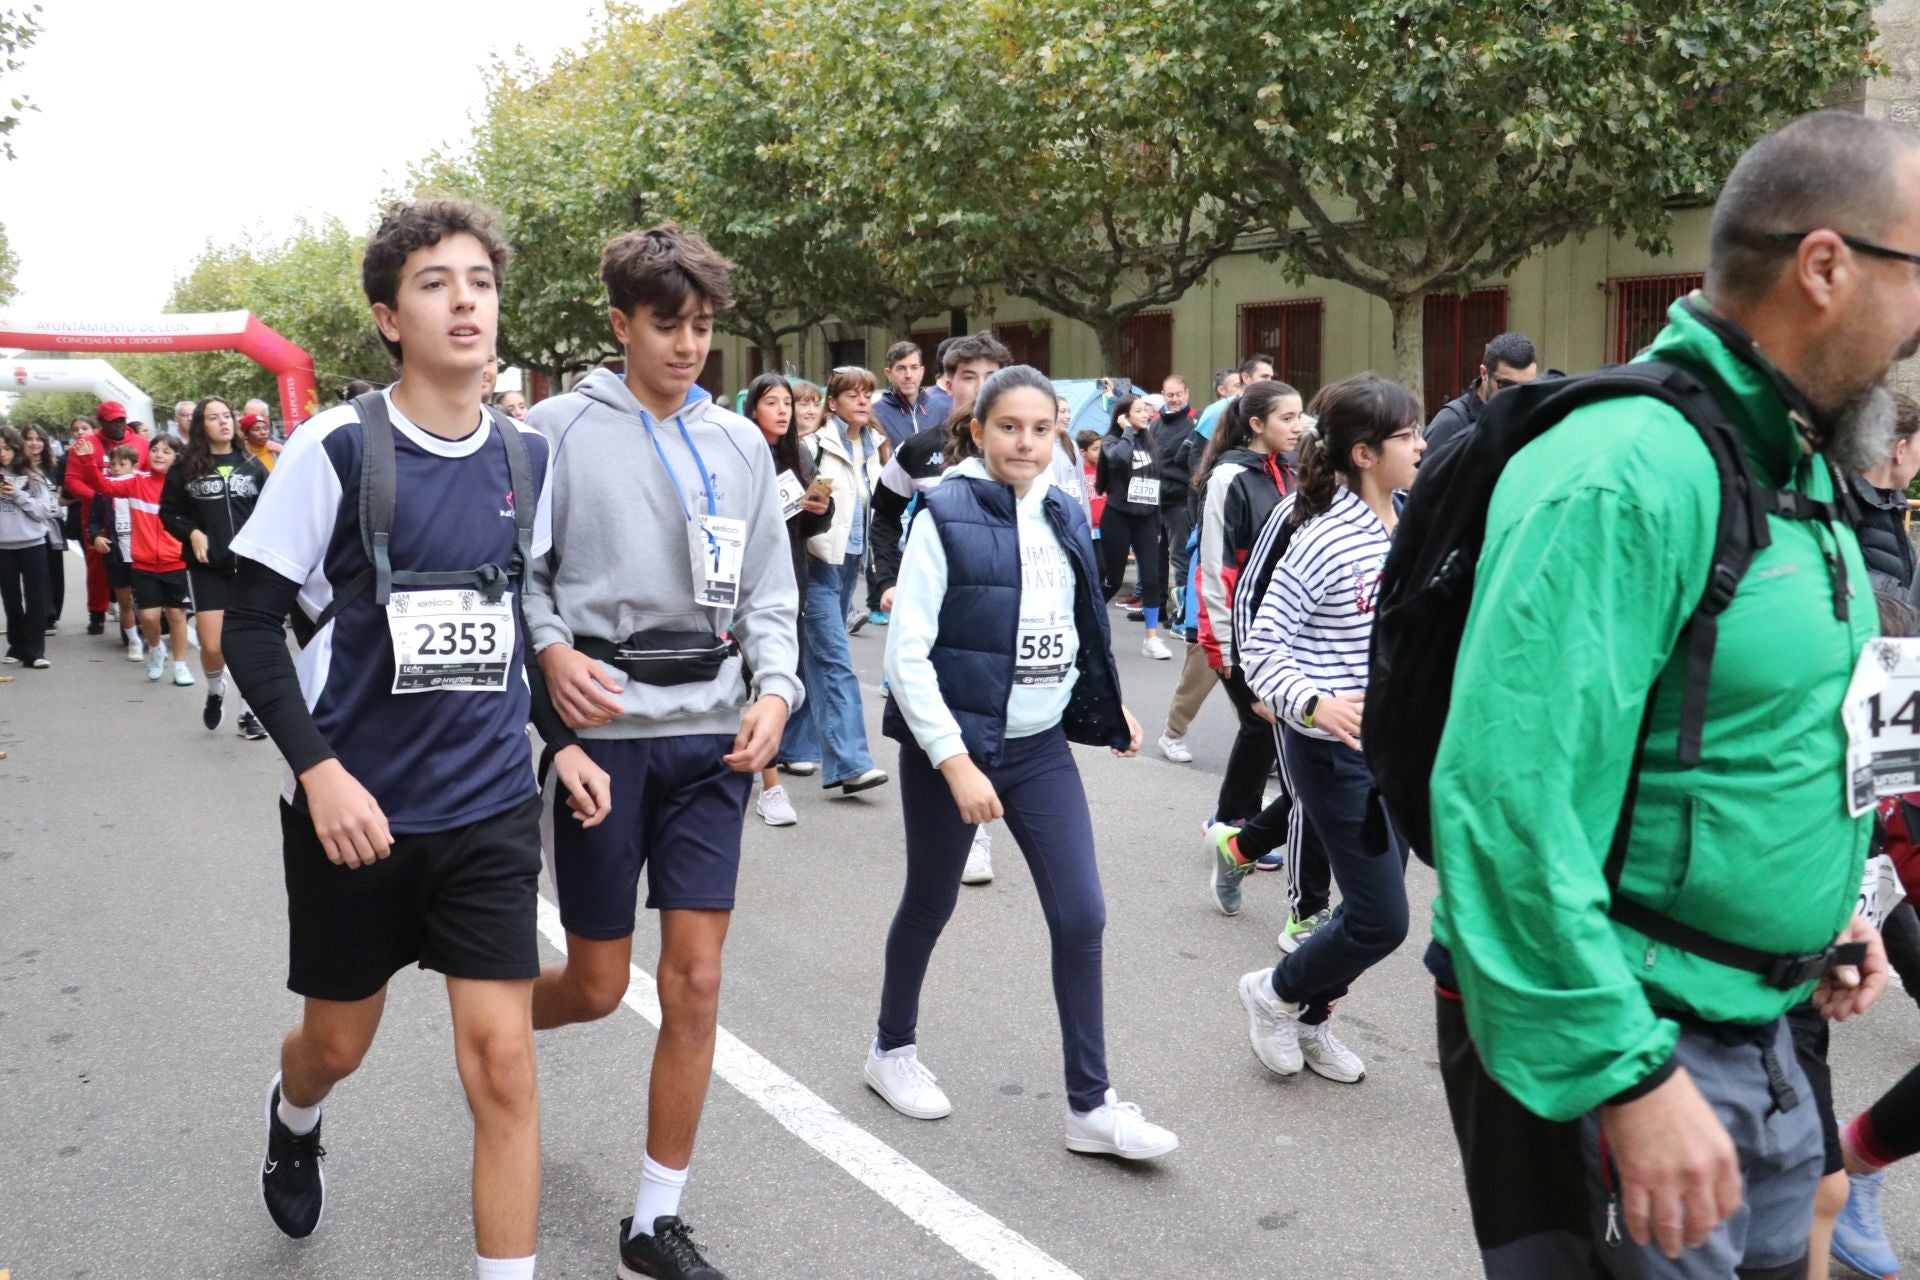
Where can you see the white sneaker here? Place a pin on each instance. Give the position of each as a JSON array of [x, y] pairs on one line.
[[1116, 1128], [182, 676], [193, 635], [1175, 749], [801, 768], [156, 663], [907, 1086], [1156, 648], [9, 661], [864, 781], [135, 649], [1328, 1057], [1275, 1028], [979, 869], [775, 808]]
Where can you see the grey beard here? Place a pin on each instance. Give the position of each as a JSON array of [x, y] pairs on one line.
[[1860, 436]]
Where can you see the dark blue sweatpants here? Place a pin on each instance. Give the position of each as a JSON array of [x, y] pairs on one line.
[[1369, 862], [1046, 810]]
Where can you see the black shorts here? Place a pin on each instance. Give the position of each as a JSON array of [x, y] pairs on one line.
[[678, 810], [160, 590], [459, 902], [119, 575], [209, 588]]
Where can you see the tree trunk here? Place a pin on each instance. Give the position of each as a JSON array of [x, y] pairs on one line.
[[1409, 324], [1107, 330], [769, 348]]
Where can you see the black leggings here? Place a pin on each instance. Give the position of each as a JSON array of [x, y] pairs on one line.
[[23, 600], [1121, 533], [1889, 1130]]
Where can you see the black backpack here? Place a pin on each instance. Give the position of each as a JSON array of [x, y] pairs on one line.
[[1427, 586], [376, 523]]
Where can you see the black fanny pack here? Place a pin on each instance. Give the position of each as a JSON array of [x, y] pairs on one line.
[[663, 657]]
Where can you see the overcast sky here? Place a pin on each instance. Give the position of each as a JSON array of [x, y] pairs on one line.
[[164, 125]]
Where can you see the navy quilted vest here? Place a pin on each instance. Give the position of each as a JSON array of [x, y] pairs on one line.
[[980, 619]]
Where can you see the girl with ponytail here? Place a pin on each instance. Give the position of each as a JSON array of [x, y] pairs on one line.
[[1245, 477], [1306, 659], [998, 656]]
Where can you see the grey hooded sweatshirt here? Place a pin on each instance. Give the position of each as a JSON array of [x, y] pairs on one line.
[[621, 563]]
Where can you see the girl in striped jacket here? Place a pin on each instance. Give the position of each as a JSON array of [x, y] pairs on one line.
[[1306, 659]]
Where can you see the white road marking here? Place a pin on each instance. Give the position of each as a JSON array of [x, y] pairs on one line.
[[963, 1226]]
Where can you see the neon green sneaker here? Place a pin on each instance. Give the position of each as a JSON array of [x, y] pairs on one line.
[[1298, 931], [1227, 868]]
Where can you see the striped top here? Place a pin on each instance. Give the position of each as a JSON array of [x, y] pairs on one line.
[[1311, 632]]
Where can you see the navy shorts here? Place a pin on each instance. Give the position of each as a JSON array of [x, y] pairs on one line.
[[678, 811]]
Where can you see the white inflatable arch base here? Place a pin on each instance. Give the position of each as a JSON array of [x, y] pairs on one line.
[[95, 377]]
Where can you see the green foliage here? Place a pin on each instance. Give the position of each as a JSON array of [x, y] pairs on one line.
[[52, 410], [1041, 148], [9, 267], [1406, 148], [305, 286], [18, 30], [548, 158]]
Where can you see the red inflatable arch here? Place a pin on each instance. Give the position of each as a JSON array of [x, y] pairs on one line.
[[238, 331]]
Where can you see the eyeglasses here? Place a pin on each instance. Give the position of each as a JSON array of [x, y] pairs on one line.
[[1855, 243], [1411, 433]]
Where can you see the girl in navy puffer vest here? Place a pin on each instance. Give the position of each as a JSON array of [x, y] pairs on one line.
[[997, 656]]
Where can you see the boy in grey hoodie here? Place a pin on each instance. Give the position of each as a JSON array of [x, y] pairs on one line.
[[668, 589]]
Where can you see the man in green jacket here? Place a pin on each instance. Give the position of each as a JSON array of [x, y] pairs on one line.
[[1626, 1107]]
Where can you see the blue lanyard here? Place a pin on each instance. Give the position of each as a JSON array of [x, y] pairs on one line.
[[698, 461]]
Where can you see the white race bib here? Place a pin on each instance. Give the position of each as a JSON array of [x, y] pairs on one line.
[[1880, 891], [450, 639], [1143, 491], [1882, 717], [1041, 654], [719, 546], [792, 494]]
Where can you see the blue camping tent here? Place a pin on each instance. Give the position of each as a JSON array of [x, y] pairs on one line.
[[1089, 408]]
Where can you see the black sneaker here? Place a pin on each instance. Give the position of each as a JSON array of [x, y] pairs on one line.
[[667, 1254], [291, 1180], [214, 712], [96, 624], [250, 727]]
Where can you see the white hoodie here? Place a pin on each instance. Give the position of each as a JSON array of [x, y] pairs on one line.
[[1044, 673]]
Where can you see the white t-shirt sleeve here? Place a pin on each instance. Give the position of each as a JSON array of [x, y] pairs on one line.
[[292, 524]]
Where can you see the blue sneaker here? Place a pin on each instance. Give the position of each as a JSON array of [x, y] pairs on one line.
[[878, 618], [1860, 1236], [1275, 861]]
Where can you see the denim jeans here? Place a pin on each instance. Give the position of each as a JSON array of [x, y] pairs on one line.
[[829, 726]]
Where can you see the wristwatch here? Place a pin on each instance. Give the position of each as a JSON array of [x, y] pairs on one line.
[[1306, 716]]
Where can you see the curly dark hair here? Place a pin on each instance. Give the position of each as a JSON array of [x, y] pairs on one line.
[[410, 226]]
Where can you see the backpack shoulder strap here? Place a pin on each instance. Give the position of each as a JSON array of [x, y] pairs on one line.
[[376, 520], [376, 490], [526, 497]]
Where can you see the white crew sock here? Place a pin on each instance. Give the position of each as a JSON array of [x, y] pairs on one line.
[[126, 635], [659, 1197], [503, 1268], [299, 1120], [217, 681]]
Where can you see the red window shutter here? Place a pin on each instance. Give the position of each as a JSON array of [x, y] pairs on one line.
[[1146, 348], [1640, 308], [1290, 333], [1457, 330]]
